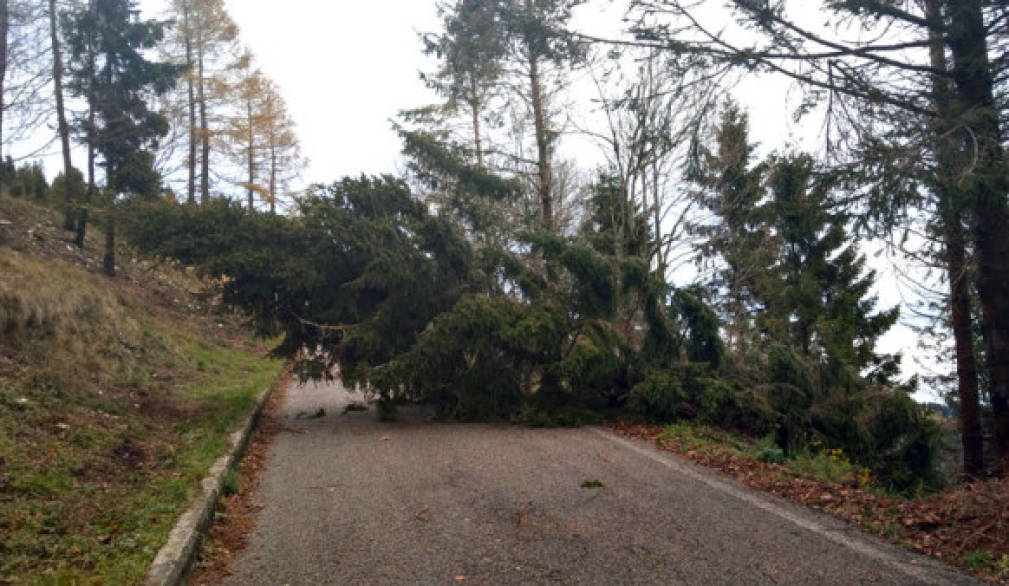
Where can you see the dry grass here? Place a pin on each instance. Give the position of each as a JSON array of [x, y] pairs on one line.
[[115, 397]]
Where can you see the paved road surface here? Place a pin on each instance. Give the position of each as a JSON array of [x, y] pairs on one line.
[[349, 500]]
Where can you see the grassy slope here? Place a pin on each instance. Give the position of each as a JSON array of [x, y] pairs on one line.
[[115, 398]]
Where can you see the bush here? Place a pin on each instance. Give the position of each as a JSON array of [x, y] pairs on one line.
[[686, 392], [659, 397], [905, 442], [27, 181], [830, 465], [767, 450]]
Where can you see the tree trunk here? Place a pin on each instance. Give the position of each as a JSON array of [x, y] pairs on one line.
[[204, 129], [986, 187], [61, 120], [947, 147], [4, 33], [474, 105], [191, 91], [543, 187], [252, 150], [660, 251], [110, 237], [971, 435], [273, 173], [82, 219]]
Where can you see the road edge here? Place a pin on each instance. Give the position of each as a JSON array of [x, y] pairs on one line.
[[922, 569], [175, 558]]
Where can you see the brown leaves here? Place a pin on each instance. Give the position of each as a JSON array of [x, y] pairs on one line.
[[972, 517]]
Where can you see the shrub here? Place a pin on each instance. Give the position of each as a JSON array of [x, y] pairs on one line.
[[767, 450], [660, 396]]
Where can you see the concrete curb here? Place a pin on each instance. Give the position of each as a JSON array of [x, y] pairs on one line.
[[173, 562]]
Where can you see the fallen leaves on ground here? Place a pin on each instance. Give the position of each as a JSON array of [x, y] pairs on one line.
[[230, 532], [947, 525]]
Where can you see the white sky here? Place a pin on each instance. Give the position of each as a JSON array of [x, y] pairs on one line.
[[346, 67]]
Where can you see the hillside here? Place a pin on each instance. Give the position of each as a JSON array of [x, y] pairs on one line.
[[115, 397]]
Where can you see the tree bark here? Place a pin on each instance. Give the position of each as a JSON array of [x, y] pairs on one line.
[[971, 435], [543, 187], [4, 39], [110, 237], [204, 129], [252, 149], [191, 91], [82, 219], [975, 105], [273, 173], [660, 250], [947, 146], [61, 120], [474, 105]]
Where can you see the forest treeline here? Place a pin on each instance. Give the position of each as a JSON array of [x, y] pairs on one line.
[[499, 278], [166, 108]]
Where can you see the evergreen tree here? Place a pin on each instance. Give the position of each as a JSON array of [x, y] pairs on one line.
[[109, 68], [536, 39], [872, 86], [470, 50], [736, 244], [821, 301], [615, 225]]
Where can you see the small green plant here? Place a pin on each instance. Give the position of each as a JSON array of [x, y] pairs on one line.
[[892, 531], [230, 484], [978, 560], [830, 465], [767, 450], [592, 484]]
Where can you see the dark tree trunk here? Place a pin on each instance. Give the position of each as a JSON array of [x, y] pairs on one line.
[[191, 91], [948, 147], [110, 238], [61, 121], [660, 251], [4, 33], [971, 435], [89, 194], [976, 107]]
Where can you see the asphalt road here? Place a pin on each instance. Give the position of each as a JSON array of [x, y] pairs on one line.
[[349, 500]]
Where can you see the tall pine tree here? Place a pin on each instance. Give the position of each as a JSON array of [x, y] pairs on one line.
[[821, 302], [736, 244], [108, 67]]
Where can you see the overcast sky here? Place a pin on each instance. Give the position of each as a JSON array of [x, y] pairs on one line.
[[347, 67]]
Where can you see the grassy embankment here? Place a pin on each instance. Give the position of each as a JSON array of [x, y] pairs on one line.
[[116, 395]]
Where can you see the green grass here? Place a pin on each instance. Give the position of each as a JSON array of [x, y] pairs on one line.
[[64, 530], [114, 402], [820, 464]]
